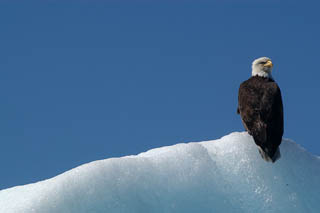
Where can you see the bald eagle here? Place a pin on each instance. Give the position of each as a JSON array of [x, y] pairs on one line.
[[261, 110]]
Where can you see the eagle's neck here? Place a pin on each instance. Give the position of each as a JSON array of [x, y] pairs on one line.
[[260, 73]]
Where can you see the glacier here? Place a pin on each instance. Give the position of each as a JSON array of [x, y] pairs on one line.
[[223, 175]]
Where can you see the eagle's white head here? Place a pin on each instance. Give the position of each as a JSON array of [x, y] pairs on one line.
[[262, 67]]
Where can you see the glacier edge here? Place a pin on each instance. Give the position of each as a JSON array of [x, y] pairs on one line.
[[223, 175]]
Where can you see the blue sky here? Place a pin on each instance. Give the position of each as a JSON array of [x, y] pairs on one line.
[[82, 81]]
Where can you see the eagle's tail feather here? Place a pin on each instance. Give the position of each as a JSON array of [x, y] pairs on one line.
[[267, 157]]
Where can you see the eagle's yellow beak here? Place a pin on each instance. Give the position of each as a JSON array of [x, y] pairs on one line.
[[268, 64]]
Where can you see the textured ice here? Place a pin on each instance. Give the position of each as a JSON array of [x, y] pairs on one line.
[[224, 175]]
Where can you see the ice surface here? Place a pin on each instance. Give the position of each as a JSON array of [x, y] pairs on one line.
[[224, 175]]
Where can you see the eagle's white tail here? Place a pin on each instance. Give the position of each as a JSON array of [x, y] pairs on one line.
[[267, 158]]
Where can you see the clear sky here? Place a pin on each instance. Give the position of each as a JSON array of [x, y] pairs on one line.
[[83, 81]]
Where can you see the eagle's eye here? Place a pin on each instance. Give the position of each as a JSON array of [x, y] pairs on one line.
[[263, 62]]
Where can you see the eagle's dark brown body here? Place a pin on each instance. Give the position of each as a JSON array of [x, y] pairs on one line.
[[261, 110]]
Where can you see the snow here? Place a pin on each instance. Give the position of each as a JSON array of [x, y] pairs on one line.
[[224, 175]]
